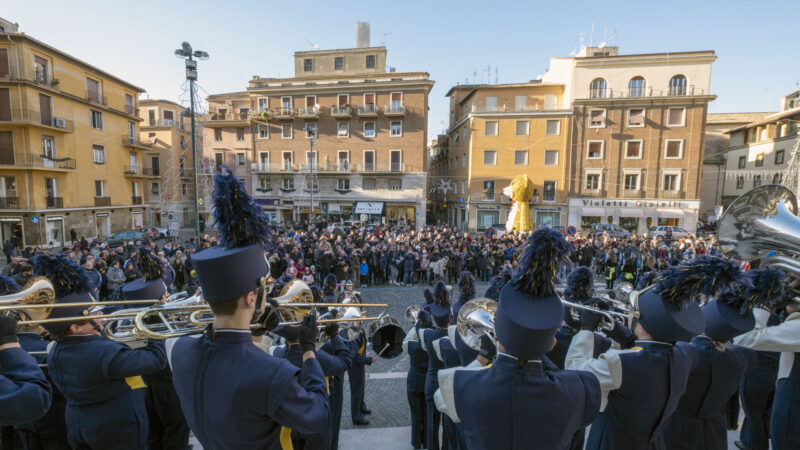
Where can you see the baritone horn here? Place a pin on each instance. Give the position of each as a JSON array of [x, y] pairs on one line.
[[475, 320]]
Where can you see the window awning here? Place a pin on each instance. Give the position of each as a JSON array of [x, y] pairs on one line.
[[369, 208], [599, 212], [670, 213], [631, 212]]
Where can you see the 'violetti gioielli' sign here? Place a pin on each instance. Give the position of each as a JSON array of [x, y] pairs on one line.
[[636, 203]]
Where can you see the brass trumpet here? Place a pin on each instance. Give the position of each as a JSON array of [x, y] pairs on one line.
[[607, 321]]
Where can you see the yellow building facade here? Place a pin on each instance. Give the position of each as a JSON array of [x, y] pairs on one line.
[[69, 146], [497, 132]]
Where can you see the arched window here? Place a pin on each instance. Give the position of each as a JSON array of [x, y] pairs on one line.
[[677, 85], [598, 88], [636, 87]]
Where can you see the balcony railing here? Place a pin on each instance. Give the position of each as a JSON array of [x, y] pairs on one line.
[[341, 111], [646, 91], [261, 168], [142, 171], [9, 202], [672, 194], [231, 115], [136, 200], [37, 161], [308, 111], [55, 202], [33, 117], [284, 112], [394, 110], [132, 110], [367, 110], [385, 167], [102, 201], [96, 98], [163, 123], [134, 141]]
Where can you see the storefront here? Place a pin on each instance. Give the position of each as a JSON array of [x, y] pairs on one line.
[[137, 218], [401, 214], [636, 216], [488, 216], [270, 207], [548, 216], [11, 230]]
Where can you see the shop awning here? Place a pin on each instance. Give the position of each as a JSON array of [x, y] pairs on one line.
[[369, 208], [670, 213], [631, 212], [593, 212]]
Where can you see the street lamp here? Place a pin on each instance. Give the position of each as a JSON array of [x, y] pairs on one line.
[[191, 75]]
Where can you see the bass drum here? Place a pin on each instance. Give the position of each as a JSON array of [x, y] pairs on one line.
[[386, 332]]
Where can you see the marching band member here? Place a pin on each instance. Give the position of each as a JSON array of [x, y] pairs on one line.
[[167, 426], [641, 386], [784, 338], [49, 432], [357, 374], [700, 421], [415, 381], [442, 315], [100, 378], [466, 292], [517, 402], [233, 394], [329, 288], [497, 283], [341, 350], [428, 296]]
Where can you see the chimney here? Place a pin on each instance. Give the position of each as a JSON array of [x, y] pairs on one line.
[[362, 34]]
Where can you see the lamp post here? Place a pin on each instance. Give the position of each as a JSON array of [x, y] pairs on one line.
[[191, 75]]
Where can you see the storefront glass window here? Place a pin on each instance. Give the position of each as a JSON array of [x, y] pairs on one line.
[[548, 219], [487, 218], [629, 223], [588, 221], [663, 221]]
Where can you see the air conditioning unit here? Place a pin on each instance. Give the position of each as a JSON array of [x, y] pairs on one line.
[[60, 123]]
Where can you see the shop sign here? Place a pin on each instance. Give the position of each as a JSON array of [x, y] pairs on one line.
[[493, 208], [462, 206], [267, 202], [637, 203], [549, 209]]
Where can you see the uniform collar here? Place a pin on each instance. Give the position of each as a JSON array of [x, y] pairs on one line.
[[232, 336], [79, 338], [655, 345], [504, 359]]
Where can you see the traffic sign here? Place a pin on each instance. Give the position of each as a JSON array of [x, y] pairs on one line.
[[489, 233], [35, 219], [571, 230], [219, 234]]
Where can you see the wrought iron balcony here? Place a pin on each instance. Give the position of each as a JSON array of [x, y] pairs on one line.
[[35, 118], [9, 202], [367, 111], [341, 111], [55, 202], [102, 201], [136, 200], [394, 110]]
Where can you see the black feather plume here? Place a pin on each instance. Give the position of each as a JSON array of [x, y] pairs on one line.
[[768, 287], [708, 275], [497, 283], [65, 274], [149, 264], [466, 287], [544, 252], [580, 284], [646, 279], [441, 296], [8, 285], [428, 295], [329, 284], [239, 220]]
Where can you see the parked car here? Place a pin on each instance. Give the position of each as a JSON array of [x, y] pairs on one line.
[[155, 232], [613, 230], [660, 232], [116, 239]]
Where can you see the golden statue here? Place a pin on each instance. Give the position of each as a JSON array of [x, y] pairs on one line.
[[520, 191]]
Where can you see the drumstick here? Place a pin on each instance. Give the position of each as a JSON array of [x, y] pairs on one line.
[[383, 350]]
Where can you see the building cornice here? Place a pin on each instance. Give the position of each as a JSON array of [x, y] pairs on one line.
[[426, 86], [654, 101], [547, 113]]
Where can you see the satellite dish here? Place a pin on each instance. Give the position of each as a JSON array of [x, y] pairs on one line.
[[602, 45]]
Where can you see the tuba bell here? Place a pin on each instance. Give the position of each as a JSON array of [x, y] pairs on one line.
[[476, 319], [37, 291]]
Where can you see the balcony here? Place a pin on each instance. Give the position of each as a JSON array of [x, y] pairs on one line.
[[229, 119], [645, 92], [261, 168], [55, 202], [394, 110], [626, 193], [673, 195], [102, 201], [9, 202], [136, 200], [162, 123], [135, 142], [283, 113], [341, 111], [132, 110], [288, 167], [34, 118], [139, 171], [37, 162], [367, 111], [389, 167], [97, 99], [309, 112]]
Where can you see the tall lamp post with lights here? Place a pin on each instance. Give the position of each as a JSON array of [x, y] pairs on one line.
[[191, 75]]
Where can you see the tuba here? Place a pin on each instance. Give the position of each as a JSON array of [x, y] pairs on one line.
[[761, 224], [37, 291], [476, 319]]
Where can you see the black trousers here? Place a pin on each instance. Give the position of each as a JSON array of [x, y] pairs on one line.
[[417, 406], [168, 429]]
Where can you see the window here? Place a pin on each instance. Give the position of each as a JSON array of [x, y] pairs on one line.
[[99, 188], [369, 129], [343, 184], [595, 149], [491, 103], [263, 160], [463, 187], [631, 181], [760, 160], [597, 118], [777, 178], [312, 184], [593, 181], [263, 131], [742, 162], [490, 157], [344, 159], [286, 103], [633, 150], [671, 181], [369, 99], [521, 158], [343, 129], [217, 134], [49, 147], [677, 85], [184, 188], [338, 63], [396, 160], [308, 65], [98, 154], [487, 194], [675, 117], [169, 117], [739, 182], [240, 134], [154, 188], [674, 149], [263, 183], [551, 157], [311, 130], [132, 130], [3, 63], [757, 181], [395, 184], [287, 183], [396, 129], [369, 160], [549, 194], [219, 160], [96, 119], [93, 90], [490, 128], [522, 127], [311, 159], [779, 157], [520, 102], [288, 161], [369, 184], [40, 69], [636, 117], [370, 61], [263, 104], [129, 104], [241, 160], [286, 131], [553, 128], [597, 89], [636, 87]]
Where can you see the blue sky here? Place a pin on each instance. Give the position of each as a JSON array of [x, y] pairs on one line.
[[755, 42]]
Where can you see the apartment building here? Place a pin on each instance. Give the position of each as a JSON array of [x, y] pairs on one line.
[[760, 151], [637, 135], [343, 130], [497, 132], [68, 140]]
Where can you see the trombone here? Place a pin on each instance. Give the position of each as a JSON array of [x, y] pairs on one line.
[[606, 322]]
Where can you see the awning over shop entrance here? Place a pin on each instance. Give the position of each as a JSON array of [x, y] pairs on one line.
[[593, 212], [631, 212], [670, 213], [369, 207]]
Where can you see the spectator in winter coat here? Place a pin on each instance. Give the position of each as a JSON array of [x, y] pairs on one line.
[[181, 274], [115, 278]]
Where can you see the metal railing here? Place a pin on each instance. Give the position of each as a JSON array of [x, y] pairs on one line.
[[261, 168], [162, 123], [646, 91], [132, 110], [284, 111], [134, 141], [102, 201], [55, 202], [96, 98], [34, 117], [38, 161], [143, 171], [308, 111], [394, 109], [367, 110], [341, 111], [231, 115], [9, 202], [136, 200]]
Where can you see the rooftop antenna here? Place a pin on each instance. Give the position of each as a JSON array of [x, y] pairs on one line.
[[313, 45], [496, 76], [385, 40], [583, 38], [591, 36], [474, 76], [614, 38]]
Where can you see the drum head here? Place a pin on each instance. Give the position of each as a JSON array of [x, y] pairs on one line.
[[388, 334]]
